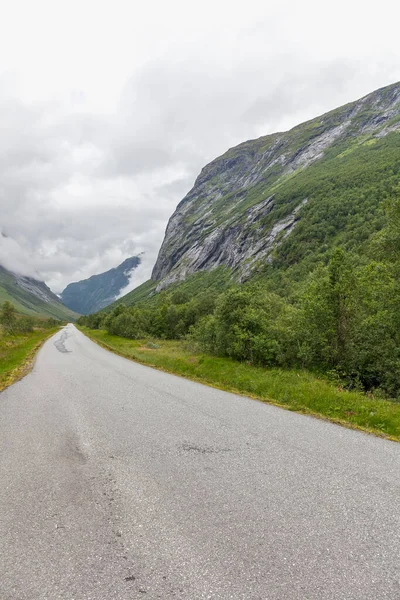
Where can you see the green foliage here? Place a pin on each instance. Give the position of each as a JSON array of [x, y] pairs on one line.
[[170, 318], [8, 318], [347, 195], [25, 325], [50, 323], [201, 283], [14, 323], [126, 324], [343, 318], [246, 325]]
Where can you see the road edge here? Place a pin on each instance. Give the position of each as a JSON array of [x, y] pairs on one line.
[[269, 401], [28, 363]]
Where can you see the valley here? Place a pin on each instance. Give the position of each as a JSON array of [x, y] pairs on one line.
[[199, 300], [285, 254]]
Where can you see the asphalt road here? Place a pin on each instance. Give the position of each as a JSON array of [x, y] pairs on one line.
[[121, 482]]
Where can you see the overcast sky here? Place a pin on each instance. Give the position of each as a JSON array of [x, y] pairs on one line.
[[109, 109]]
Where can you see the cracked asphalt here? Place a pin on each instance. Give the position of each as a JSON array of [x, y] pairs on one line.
[[121, 482]]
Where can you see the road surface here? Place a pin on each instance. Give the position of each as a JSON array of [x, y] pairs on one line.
[[121, 482]]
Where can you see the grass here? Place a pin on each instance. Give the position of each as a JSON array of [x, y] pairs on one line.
[[218, 279], [295, 390], [17, 354]]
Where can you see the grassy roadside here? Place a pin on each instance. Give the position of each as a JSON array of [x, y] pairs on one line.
[[17, 354], [299, 391]]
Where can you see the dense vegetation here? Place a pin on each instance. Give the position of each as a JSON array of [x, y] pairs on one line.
[[13, 323], [343, 319], [347, 193]]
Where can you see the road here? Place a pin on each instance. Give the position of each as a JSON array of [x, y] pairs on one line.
[[121, 482]]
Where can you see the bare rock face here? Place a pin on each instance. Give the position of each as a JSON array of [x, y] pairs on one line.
[[36, 288], [230, 216]]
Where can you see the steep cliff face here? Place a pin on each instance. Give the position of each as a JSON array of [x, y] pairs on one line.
[[93, 294], [246, 204]]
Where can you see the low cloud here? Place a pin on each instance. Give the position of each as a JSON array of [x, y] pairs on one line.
[[139, 275], [14, 258], [82, 190]]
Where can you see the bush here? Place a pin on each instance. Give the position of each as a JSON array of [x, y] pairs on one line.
[[24, 325], [8, 318], [127, 325]]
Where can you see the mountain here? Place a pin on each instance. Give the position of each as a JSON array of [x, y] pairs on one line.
[[310, 221], [32, 297], [93, 294], [288, 198]]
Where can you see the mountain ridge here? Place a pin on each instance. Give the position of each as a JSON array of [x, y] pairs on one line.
[[286, 254], [233, 215], [32, 297], [98, 291]]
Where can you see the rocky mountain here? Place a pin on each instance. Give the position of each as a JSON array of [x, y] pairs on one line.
[[288, 198], [93, 294], [31, 296]]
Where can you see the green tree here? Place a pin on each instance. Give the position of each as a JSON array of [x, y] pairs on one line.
[[8, 317], [24, 325], [341, 304], [244, 326], [328, 309]]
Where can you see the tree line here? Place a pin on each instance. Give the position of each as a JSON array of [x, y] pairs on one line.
[[342, 320], [13, 323]]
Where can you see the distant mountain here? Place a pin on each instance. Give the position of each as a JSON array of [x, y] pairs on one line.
[[90, 295], [32, 297]]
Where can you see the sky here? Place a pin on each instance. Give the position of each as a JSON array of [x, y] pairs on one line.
[[110, 109]]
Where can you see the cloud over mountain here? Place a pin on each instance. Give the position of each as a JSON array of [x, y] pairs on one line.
[[94, 160]]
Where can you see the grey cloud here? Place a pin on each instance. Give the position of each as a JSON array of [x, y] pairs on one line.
[[80, 192], [188, 112], [14, 258], [127, 158]]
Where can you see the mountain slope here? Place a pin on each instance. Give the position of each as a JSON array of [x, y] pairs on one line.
[[286, 199], [93, 294], [32, 297]]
